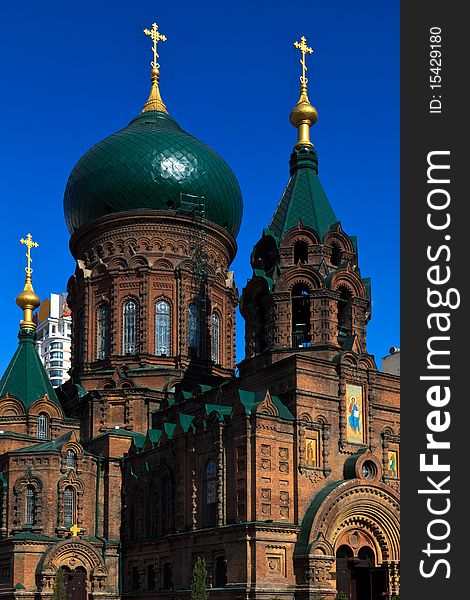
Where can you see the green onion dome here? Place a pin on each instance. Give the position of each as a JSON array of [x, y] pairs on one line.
[[152, 164]]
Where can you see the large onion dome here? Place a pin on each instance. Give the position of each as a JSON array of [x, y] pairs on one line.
[[152, 164]]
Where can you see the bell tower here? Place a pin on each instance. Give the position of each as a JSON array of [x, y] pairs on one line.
[[306, 293]]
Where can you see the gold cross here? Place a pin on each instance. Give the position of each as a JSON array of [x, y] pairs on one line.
[[28, 242], [302, 46], [75, 529], [156, 37]]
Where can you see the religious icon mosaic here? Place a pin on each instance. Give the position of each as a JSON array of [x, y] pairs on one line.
[[311, 453], [354, 414], [392, 460]]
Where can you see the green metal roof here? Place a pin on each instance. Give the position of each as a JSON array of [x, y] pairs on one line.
[[152, 164], [222, 411], [48, 445], [169, 429], [185, 421], [304, 197], [25, 377], [154, 435], [251, 401]]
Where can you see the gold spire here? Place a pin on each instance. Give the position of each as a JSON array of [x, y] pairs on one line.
[[155, 101], [303, 115], [27, 299]]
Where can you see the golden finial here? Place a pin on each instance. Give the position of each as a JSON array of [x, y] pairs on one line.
[[155, 101], [303, 115], [27, 299]]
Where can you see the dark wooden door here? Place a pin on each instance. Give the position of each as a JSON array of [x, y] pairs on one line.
[[379, 584], [76, 584]]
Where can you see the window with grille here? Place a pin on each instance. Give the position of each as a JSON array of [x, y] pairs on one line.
[[102, 332], [70, 459], [129, 329], [69, 507], [215, 345], [30, 505], [162, 328], [43, 426]]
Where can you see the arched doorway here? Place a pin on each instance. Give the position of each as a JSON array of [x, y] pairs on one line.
[[357, 576], [75, 583]]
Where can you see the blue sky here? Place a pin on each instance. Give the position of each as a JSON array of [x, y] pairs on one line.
[[74, 73]]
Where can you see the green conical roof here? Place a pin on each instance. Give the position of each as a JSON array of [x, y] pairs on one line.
[[25, 377], [304, 197], [152, 164]]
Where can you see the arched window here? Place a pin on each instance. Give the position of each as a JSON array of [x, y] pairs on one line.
[[344, 554], [194, 331], [129, 327], [215, 341], [210, 494], [366, 554], [344, 313], [102, 332], [300, 252], [335, 254], [162, 328], [301, 334], [43, 426], [30, 505], [69, 507], [70, 459]]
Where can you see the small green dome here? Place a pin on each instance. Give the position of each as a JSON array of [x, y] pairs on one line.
[[152, 163]]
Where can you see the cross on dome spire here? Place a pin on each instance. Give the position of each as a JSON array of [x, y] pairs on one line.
[[304, 49], [155, 101], [156, 36], [28, 242], [303, 115]]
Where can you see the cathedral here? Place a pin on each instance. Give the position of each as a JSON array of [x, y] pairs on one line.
[[283, 475]]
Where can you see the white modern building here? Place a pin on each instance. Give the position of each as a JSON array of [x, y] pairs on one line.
[[391, 362], [54, 337]]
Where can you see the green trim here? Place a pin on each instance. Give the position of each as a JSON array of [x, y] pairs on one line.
[[154, 436], [222, 412], [350, 464], [186, 421], [302, 545], [251, 401], [169, 429]]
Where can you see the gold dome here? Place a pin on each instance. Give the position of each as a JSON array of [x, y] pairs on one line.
[[28, 301], [303, 112], [303, 116]]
